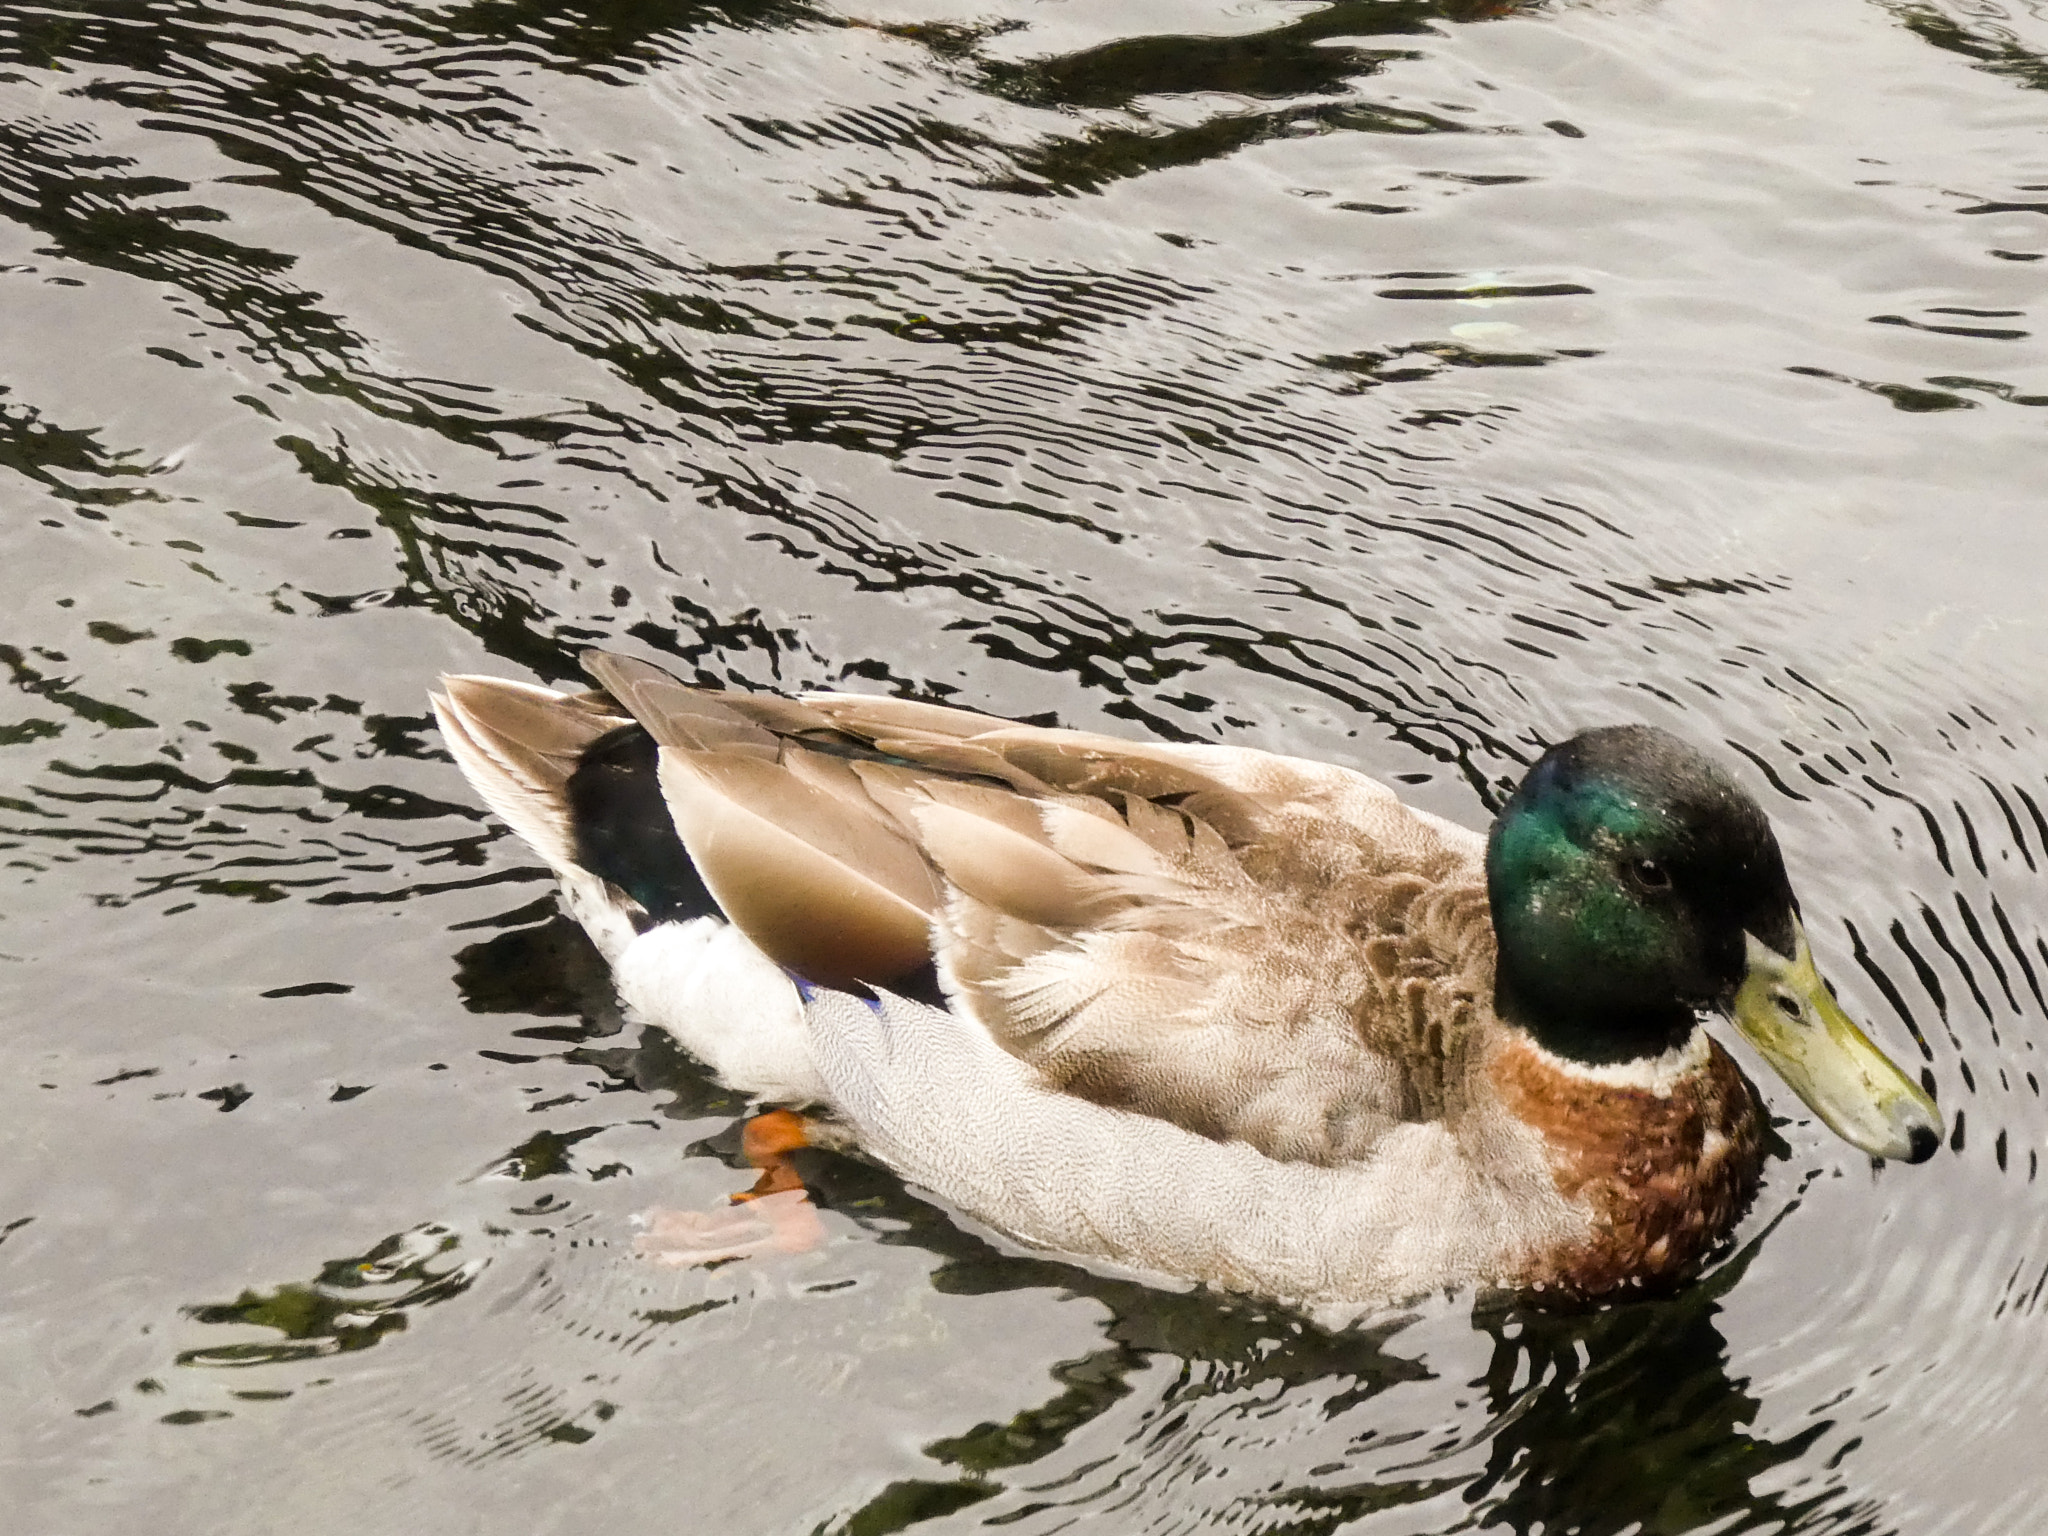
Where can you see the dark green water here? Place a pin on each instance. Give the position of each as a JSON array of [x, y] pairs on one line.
[[1395, 383]]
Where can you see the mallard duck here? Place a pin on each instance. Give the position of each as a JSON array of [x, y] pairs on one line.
[[1203, 1011]]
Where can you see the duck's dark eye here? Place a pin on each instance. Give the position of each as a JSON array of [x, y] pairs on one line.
[[1648, 875]]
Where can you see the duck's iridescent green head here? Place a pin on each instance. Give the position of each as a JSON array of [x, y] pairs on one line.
[[1624, 873], [1634, 884]]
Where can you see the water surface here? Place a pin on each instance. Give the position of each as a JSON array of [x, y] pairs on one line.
[[1401, 384]]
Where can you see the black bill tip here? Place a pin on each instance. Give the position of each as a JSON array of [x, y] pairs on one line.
[[1921, 1143]]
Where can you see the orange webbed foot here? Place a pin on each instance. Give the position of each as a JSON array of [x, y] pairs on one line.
[[775, 1216], [766, 1141]]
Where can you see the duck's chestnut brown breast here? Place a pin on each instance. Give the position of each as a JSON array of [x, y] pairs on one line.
[[1667, 1161]]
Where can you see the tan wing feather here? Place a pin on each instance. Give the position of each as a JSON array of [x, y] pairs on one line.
[[1020, 814], [519, 743], [853, 833], [815, 911], [961, 758], [1104, 842], [699, 719], [1014, 873], [870, 716]]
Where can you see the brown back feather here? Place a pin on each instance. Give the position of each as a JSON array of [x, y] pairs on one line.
[[1251, 946]]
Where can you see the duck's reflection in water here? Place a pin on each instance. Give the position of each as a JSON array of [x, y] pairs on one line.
[[1629, 1419], [1621, 1419]]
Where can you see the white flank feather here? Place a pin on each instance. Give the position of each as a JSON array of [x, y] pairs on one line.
[[726, 1003], [935, 1098]]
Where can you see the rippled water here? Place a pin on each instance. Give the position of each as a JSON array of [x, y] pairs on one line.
[[1397, 383]]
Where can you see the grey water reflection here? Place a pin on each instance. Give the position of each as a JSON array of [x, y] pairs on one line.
[[1395, 383]]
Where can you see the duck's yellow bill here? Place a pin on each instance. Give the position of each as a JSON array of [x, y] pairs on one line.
[[1788, 1014]]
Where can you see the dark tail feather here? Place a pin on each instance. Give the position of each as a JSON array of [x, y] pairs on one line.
[[623, 832], [577, 780]]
